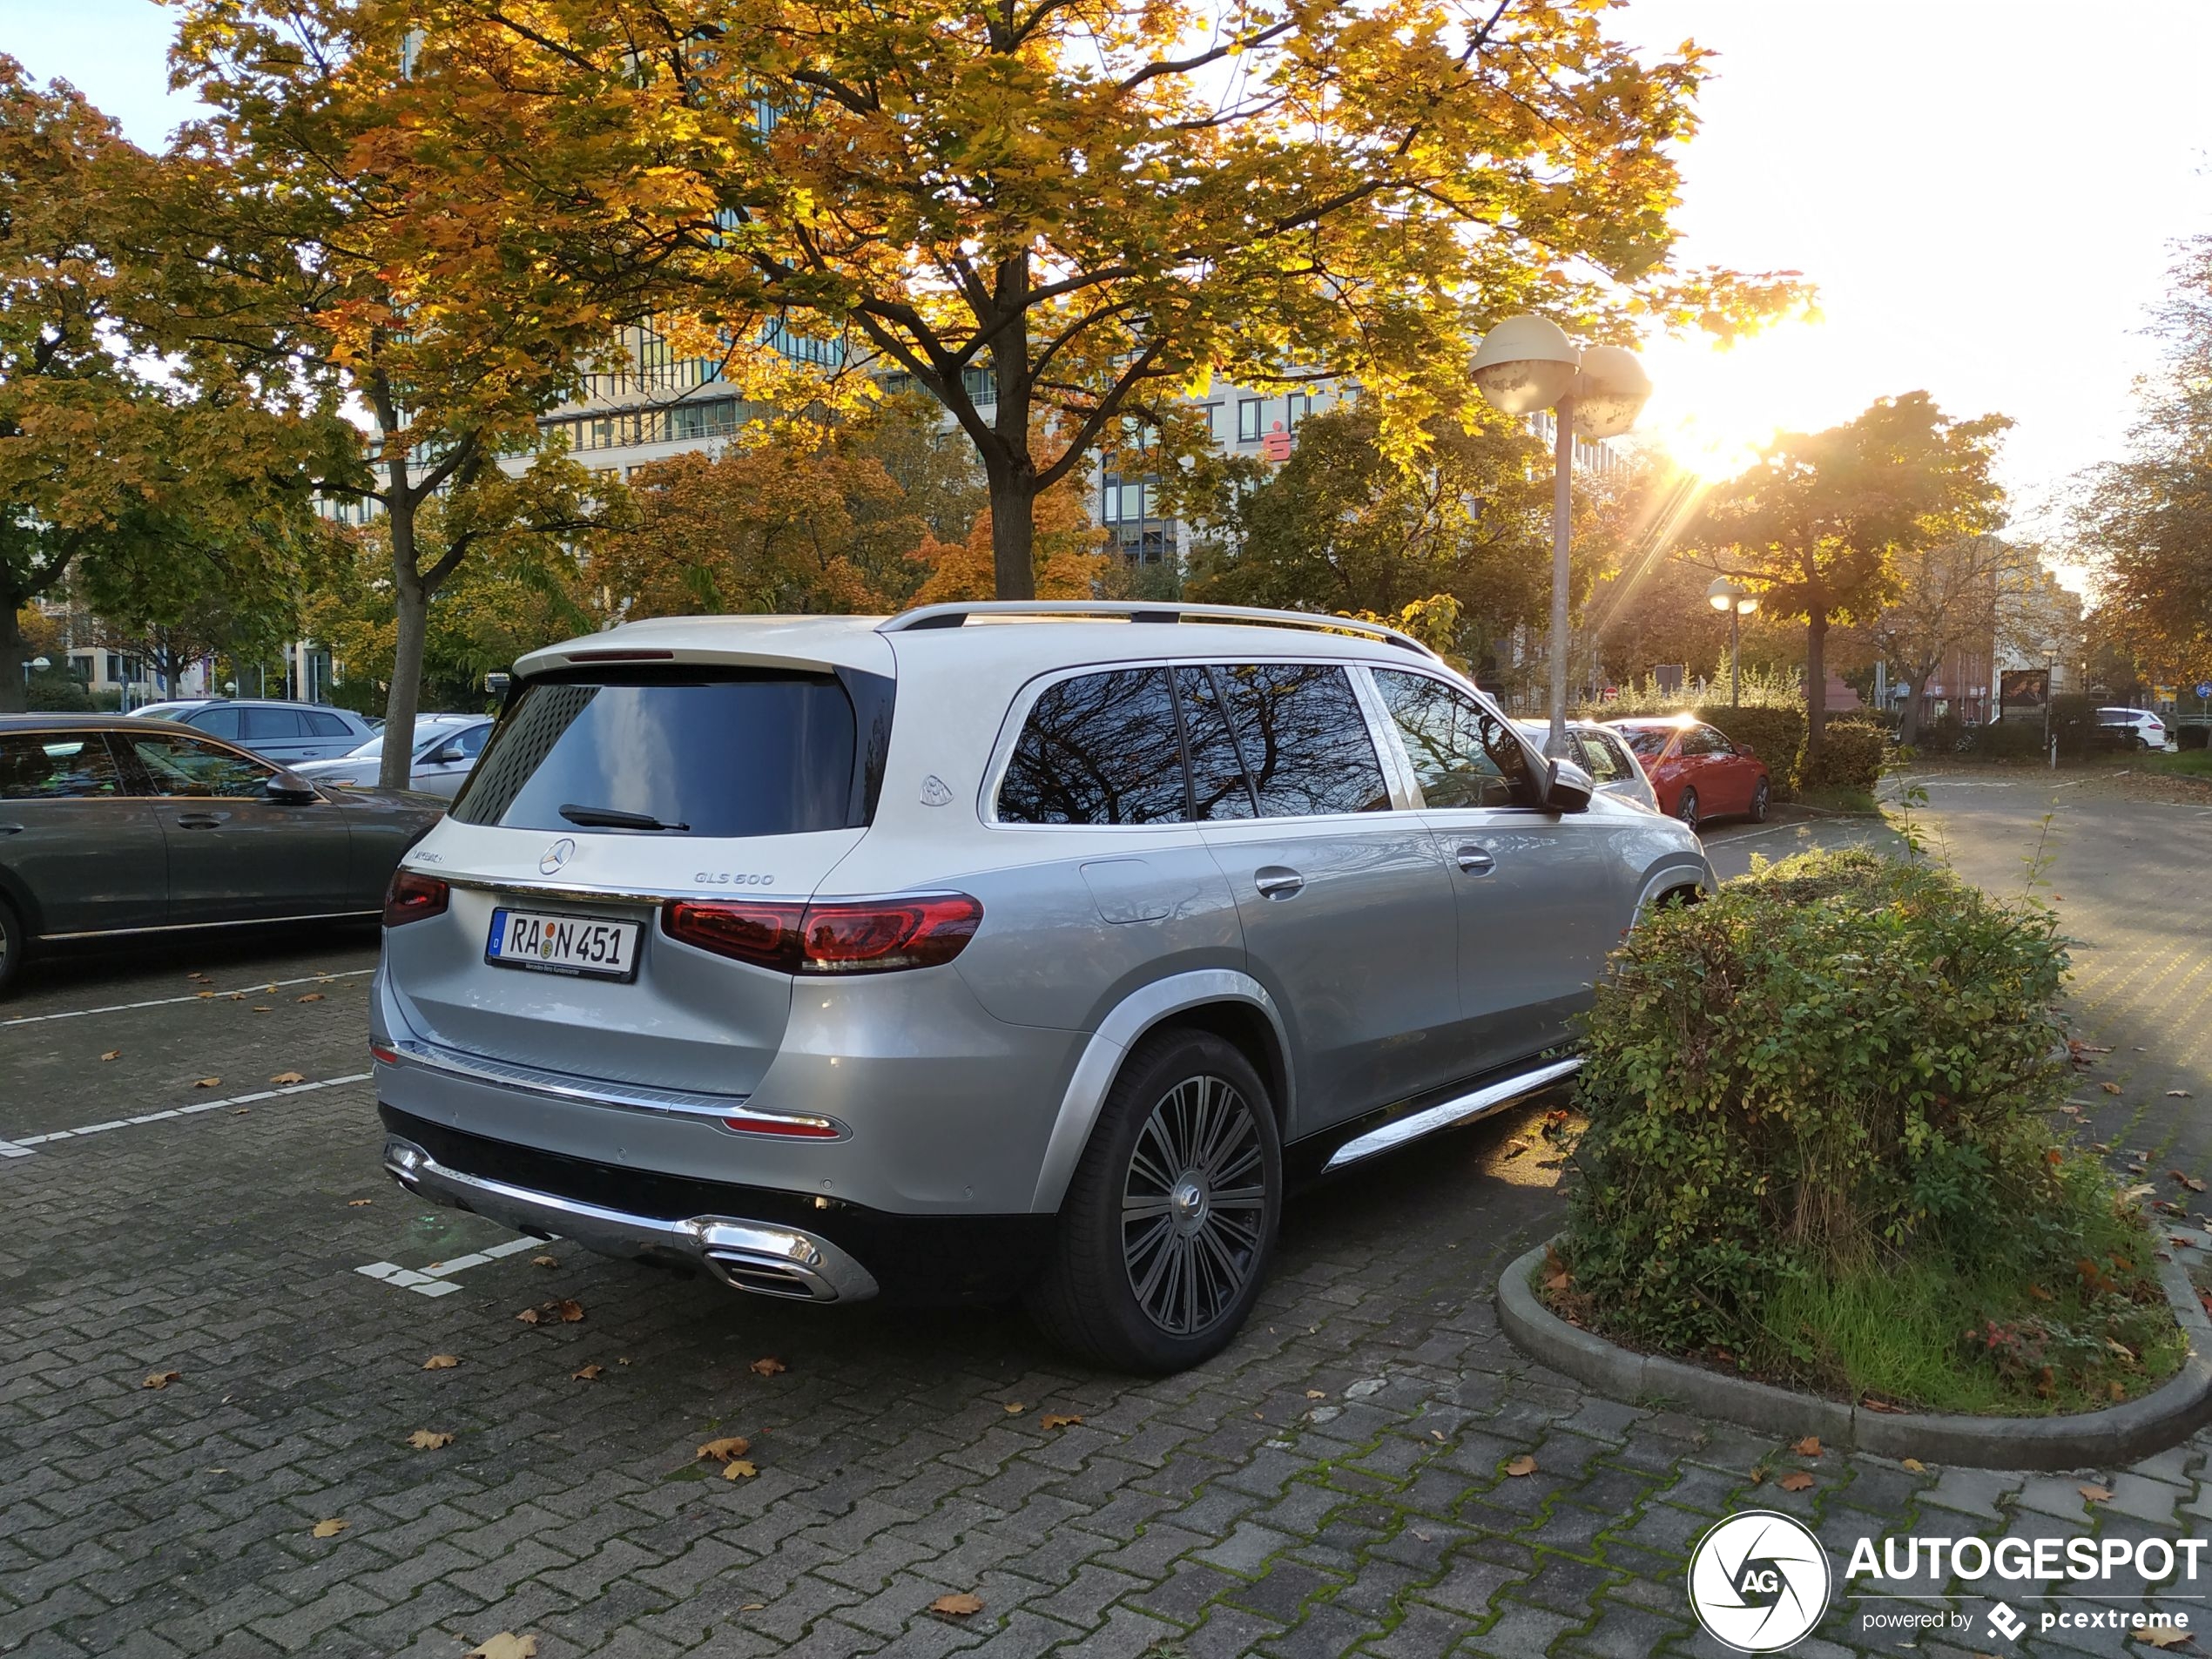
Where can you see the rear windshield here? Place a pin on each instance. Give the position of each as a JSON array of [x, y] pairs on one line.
[[729, 754], [1647, 742]]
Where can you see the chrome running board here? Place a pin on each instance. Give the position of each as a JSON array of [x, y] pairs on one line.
[[1461, 1108]]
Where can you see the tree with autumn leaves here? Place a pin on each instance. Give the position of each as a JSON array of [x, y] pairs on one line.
[[1050, 214]]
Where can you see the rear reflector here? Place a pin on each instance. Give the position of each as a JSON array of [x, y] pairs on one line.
[[842, 936], [411, 897], [383, 1051], [808, 1128]]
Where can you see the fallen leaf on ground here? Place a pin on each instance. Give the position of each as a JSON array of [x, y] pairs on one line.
[[2095, 1494], [569, 1311], [262, 1008], [1809, 1446], [288, 1077], [425, 1440], [1522, 1464], [528, 1316], [2188, 1181], [328, 1528], [357, 1203], [207, 1082], [1436, 1435], [2179, 1094], [1916, 1466], [768, 1366], [161, 1379], [545, 1261], [2039, 1293], [442, 1362], [1058, 1419], [959, 1605], [1796, 1480], [1316, 1394], [2162, 1636], [112, 1054], [316, 996], [195, 973], [2110, 1089], [505, 1645], [205, 996], [1758, 1473], [753, 1607], [733, 1446], [590, 1373], [241, 1111], [1873, 1403], [737, 1469], [1015, 1408]]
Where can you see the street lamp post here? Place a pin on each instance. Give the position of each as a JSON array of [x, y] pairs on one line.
[[1526, 364], [1739, 602]]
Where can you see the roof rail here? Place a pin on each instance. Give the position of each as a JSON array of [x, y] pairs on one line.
[[956, 613]]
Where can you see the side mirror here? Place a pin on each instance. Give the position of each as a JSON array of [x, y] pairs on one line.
[[445, 755], [1746, 749], [496, 683], [1569, 788], [290, 789]]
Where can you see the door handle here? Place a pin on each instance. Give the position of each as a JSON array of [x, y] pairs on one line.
[[11, 829], [201, 821], [1475, 861], [1276, 881]]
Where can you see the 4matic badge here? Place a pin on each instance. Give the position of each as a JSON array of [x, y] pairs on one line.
[[1758, 1582]]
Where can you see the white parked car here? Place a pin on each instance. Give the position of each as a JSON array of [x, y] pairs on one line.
[[446, 747], [2143, 725], [1601, 753]]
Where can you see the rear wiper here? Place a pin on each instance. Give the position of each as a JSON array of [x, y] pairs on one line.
[[609, 818]]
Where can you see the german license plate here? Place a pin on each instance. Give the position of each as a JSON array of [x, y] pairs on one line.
[[563, 944]]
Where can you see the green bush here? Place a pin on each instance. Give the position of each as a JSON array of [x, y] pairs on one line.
[[55, 692], [2014, 739], [1836, 1059], [1852, 753]]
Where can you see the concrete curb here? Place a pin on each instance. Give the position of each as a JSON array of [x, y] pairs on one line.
[[2102, 1438]]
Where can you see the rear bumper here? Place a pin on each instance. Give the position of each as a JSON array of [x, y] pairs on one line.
[[760, 1239]]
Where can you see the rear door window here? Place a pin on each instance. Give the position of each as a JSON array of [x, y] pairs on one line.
[[215, 723], [58, 765], [1463, 755], [1097, 749], [730, 753], [1220, 789], [1305, 740]]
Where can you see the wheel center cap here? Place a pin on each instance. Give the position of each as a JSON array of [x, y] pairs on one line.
[[1190, 1201]]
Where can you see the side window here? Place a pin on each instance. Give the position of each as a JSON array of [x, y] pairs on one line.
[[58, 765], [179, 764], [217, 722], [273, 725], [1605, 764], [326, 726], [1463, 755], [472, 740], [1715, 742], [1098, 749], [1304, 739], [1218, 785]]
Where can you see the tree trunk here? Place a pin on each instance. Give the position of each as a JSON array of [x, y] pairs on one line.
[[1816, 683], [11, 654], [1908, 726], [412, 603], [1014, 535]]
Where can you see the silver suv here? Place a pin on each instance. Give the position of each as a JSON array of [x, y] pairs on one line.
[[990, 949]]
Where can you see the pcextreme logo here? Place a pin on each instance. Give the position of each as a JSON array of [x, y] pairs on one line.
[[1758, 1582]]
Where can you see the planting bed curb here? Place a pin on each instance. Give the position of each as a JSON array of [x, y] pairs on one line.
[[2081, 1439]]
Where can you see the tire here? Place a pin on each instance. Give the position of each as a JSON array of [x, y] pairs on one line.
[[13, 944], [1686, 807], [1762, 797], [1149, 1270]]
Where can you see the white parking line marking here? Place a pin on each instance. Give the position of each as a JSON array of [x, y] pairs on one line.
[[437, 1279], [21, 1147], [166, 1001]]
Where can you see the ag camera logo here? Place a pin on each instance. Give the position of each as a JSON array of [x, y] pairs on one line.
[[1758, 1582]]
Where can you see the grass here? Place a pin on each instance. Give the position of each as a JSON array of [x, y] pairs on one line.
[[1836, 798], [2189, 763]]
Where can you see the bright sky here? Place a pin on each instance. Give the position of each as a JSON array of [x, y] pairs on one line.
[[1985, 190]]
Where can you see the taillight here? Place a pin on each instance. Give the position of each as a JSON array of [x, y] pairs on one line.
[[411, 897], [842, 936]]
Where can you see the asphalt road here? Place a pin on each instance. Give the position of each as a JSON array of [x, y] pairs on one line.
[[1334, 1484]]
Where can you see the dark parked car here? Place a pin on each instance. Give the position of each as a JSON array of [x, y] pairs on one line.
[[111, 826], [276, 730], [1696, 772]]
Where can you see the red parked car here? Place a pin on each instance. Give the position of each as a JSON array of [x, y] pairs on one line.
[[1696, 772]]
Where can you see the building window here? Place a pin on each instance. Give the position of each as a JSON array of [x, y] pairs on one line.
[[1109, 504], [1300, 405], [1213, 421], [1249, 411]]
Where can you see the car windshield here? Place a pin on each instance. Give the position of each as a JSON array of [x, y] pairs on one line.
[[1647, 740]]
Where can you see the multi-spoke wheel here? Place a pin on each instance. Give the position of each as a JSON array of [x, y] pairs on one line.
[[1686, 807], [1762, 797], [1169, 1221], [11, 947]]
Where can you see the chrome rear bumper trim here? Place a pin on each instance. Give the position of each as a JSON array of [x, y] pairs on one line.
[[745, 1255], [1461, 1108]]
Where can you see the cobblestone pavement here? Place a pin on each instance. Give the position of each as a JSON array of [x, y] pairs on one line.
[[1335, 1483]]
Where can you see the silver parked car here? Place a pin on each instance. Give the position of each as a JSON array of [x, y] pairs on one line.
[[284, 733], [989, 949], [1600, 752], [446, 747]]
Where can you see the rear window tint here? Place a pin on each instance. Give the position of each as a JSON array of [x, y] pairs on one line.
[[1098, 749], [732, 754], [1304, 739]]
